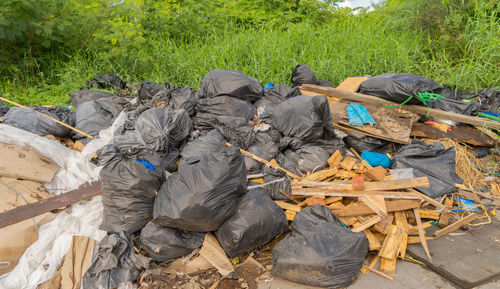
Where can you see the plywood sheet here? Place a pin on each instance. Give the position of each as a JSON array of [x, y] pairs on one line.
[[462, 132]]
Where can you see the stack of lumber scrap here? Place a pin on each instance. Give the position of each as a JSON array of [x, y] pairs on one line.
[[366, 199]]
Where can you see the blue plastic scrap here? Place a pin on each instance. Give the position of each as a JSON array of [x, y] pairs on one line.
[[268, 85], [147, 164], [376, 159], [358, 115]]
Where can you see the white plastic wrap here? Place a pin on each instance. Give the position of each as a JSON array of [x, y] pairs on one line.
[[44, 257]]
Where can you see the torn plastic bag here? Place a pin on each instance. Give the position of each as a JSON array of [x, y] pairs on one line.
[[306, 118], [106, 81], [231, 83], [38, 124], [309, 158], [114, 263], [129, 188], [195, 149], [266, 146], [3, 108], [235, 130], [369, 144], [275, 181], [149, 89], [159, 128], [398, 87], [95, 115], [302, 74], [226, 106], [376, 159], [202, 195], [257, 220], [456, 106], [319, 251], [164, 244], [80, 96], [182, 97], [432, 161]]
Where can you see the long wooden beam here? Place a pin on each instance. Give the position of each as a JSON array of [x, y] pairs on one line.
[[422, 110], [22, 213]]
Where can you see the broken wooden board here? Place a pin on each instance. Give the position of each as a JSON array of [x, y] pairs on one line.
[[391, 244], [362, 209], [393, 124], [335, 159], [461, 133], [367, 224], [37, 208], [26, 164], [352, 83], [468, 259], [455, 226], [213, 252], [376, 203], [369, 186]]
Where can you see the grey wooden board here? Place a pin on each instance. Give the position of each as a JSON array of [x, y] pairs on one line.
[[467, 258]]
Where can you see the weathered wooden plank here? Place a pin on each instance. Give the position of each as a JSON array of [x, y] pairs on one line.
[[392, 241], [370, 186], [376, 203], [421, 233], [367, 224], [34, 209], [362, 209], [288, 206], [335, 159], [455, 226]]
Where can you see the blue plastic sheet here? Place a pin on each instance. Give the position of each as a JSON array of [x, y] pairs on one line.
[[376, 159], [358, 115]]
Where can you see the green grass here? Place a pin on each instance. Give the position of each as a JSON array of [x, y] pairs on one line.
[[347, 47]]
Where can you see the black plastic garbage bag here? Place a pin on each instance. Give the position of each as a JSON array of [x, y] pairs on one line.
[[319, 251], [3, 108], [107, 81], [159, 128], [457, 106], [165, 244], [306, 118], [257, 220], [398, 87], [235, 130], [129, 187], [95, 115], [275, 181], [182, 97], [369, 144], [276, 95], [114, 262], [202, 195], [149, 89], [266, 146], [195, 149], [309, 158], [302, 74], [231, 83], [433, 161], [226, 106], [38, 124], [80, 96]]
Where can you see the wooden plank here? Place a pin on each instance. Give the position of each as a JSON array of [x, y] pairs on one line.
[[414, 229], [351, 83], [416, 239], [288, 196], [422, 110], [421, 233], [315, 201], [462, 133], [376, 203], [378, 272], [401, 220], [367, 224], [321, 175], [304, 192], [288, 206], [34, 209], [372, 186], [428, 215], [358, 183], [388, 265], [290, 215], [455, 226], [376, 173], [374, 244], [348, 221], [444, 219], [348, 163], [330, 200], [392, 241], [384, 225], [362, 209], [372, 264], [335, 159], [213, 252]]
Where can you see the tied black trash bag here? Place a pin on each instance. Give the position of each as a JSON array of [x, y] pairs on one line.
[[276, 95], [433, 161], [235, 130], [182, 97], [81, 96], [306, 118], [277, 180], [113, 263], [231, 83], [149, 89], [129, 188], [457, 106], [209, 108], [160, 128], [319, 251], [302, 74], [309, 158], [195, 149], [202, 195], [257, 220], [106, 81], [95, 115], [38, 124], [397, 87], [266, 146], [164, 244]]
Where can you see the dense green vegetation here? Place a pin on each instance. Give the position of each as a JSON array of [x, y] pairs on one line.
[[49, 47]]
